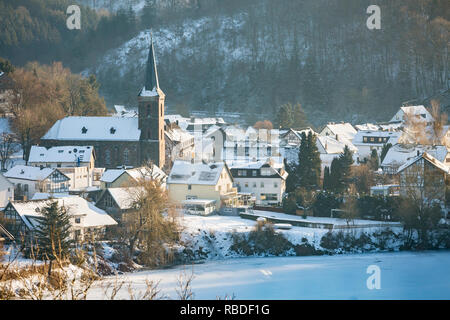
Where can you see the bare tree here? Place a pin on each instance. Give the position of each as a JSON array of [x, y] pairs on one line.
[[8, 146]]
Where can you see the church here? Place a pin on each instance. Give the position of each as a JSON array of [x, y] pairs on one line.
[[120, 141]]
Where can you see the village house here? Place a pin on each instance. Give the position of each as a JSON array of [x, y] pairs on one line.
[[248, 145], [330, 148], [85, 219], [117, 178], [367, 140], [28, 180], [120, 141], [179, 144], [194, 124], [6, 191], [423, 177], [264, 180], [399, 154], [76, 162], [118, 201], [343, 132], [189, 180], [419, 112]]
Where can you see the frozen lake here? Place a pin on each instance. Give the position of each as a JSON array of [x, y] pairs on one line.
[[404, 275]]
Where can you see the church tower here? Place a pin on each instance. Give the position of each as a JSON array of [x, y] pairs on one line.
[[151, 114]]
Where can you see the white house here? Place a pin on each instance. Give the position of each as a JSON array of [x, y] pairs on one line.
[[343, 132], [6, 191], [28, 180], [263, 179], [399, 154], [116, 178], [85, 217], [76, 162], [420, 112], [368, 140], [202, 181]]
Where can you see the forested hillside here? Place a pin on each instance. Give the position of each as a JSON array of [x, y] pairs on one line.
[[249, 56]]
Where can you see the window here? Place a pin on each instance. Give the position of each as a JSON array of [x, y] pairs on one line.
[[107, 157], [275, 185], [125, 156], [269, 151], [246, 184], [189, 187], [77, 220], [148, 110], [262, 184], [254, 173], [254, 184]]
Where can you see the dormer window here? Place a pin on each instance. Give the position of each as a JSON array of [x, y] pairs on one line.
[[84, 130], [112, 130]]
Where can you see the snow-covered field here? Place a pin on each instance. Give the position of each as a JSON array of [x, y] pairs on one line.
[[404, 275]]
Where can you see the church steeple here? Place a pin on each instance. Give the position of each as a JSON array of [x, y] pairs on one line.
[[151, 114], [151, 84], [151, 77]]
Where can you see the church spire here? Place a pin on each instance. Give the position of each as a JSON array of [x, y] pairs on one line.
[[151, 76]]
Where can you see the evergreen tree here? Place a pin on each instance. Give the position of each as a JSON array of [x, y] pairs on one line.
[[308, 169], [326, 178], [299, 117], [284, 117], [52, 234], [335, 176], [6, 66], [374, 161], [346, 161]]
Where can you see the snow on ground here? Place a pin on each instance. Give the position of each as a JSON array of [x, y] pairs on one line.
[[334, 221], [404, 275], [176, 38], [213, 234]]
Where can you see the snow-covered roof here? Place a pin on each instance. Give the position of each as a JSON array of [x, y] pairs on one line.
[[342, 130], [329, 145], [401, 153], [122, 111], [111, 175], [124, 196], [61, 154], [46, 195], [435, 162], [413, 110], [367, 126], [185, 172], [75, 206], [178, 135], [151, 93], [95, 128], [392, 136], [29, 173]]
